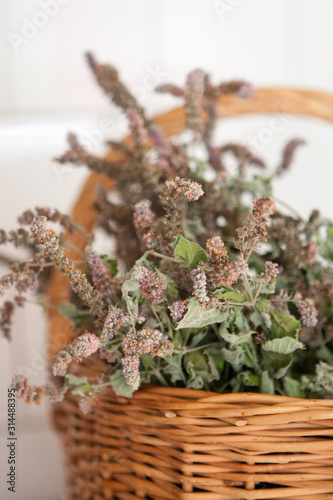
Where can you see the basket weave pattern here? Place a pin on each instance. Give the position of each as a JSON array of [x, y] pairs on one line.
[[171, 444], [167, 443]]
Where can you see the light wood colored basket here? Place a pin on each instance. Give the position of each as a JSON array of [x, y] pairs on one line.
[[168, 443]]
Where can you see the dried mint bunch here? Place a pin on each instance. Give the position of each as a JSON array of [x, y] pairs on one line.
[[214, 293]]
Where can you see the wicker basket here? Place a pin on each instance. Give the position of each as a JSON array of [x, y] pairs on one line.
[[168, 443]]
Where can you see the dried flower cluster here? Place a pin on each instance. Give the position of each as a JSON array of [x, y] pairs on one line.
[[114, 320], [254, 228], [201, 303], [270, 272], [307, 310], [177, 309], [199, 279], [26, 392], [56, 254], [82, 347], [136, 343], [64, 220], [101, 278], [153, 284]]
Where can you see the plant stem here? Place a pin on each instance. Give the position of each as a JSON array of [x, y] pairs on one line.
[[252, 358], [258, 292], [70, 245], [161, 256], [250, 251], [156, 317], [240, 304], [185, 351], [156, 254], [248, 288]]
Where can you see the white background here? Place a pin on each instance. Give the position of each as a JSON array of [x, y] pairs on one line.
[[46, 90]]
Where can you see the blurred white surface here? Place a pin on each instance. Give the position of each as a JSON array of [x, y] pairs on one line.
[[46, 90]]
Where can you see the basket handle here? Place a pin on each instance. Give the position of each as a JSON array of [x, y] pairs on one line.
[[265, 101]]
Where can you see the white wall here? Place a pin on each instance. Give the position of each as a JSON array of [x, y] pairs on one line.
[[46, 89]]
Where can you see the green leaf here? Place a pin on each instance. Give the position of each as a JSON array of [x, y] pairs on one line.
[[236, 339], [292, 388], [71, 312], [73, 380], [236, 357], [174, 368], [197, 337], [111, 264], [249, 378], [281, 367], [216, 364], [196, 383], [256, 318], [177, 340], [267, 384], [195, 361], [147, 362], [233, 296], [269, 288], [277, 364], [131, 287], [264, 319], [189, 253], [240, 320], [263, 305], [198, 316], [251, 357], [285, 345], [152, 323], [171, 287], [199, 366], [120, 386], [283, 324], [67, 309], [325, 354], [82, 390]]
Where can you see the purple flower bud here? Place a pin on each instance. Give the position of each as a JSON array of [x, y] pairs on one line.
[[199, 280]]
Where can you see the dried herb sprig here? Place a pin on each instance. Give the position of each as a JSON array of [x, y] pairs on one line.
[[200, 302], [76, 278]]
